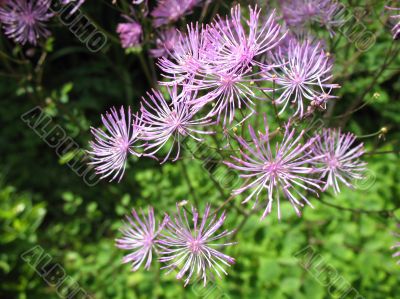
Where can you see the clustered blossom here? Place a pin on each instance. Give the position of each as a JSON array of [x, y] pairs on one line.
[[303, 78], [222, 60], [163, 122], [339, 158], [291, 167], [130, 33], [110, 149], [235, 44], [396, 18], [182, 245], [140, 236], [25, 21], [284, 168], [220, 65], [185, 60], [298, 13], [227, 91], [191, 248], [217, 65], [210, 72]]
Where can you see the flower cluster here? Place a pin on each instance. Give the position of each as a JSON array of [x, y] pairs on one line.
[[303, 78], [216, 64], [294, 168], [214, 75], [299, 13], [222, 61], [214, 70], [190, 247]]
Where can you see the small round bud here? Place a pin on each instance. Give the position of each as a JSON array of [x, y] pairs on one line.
[[384, 130], [376, 95]]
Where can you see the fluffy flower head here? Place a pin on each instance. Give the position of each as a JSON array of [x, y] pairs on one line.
[[110, 148], [339, 158], [283, 168], [191, 247], [303, 76], [140, 236], [174, 121], [235, 43], [24, 21]]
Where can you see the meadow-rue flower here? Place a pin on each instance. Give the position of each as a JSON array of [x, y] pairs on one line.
[[285, 167], [298, 13], [110, 148], [130, 33], [174, 121], [165, 42], [227, 91], [339, 158], [140, 236], [185, 59], [191, 247], [303, 76], [236, 45], [170, 11], [24, 21]]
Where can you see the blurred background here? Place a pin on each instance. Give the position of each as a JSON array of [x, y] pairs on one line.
[[46, 205]]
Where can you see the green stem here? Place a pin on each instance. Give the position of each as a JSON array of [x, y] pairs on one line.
[[189, 183]]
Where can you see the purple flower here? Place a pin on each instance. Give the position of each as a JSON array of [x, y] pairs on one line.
[[130, 33], [396, 17], [185, 59], [298, 13], [339, 158], [110, 149], [169, 11], [284, 167], [24, 21], [191, 247], [303, 76], [227, 91], [140, 237], [163, 122], [165, 42], [235, 45]]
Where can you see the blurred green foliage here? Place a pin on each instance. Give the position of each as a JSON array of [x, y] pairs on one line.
[[43, 202]]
